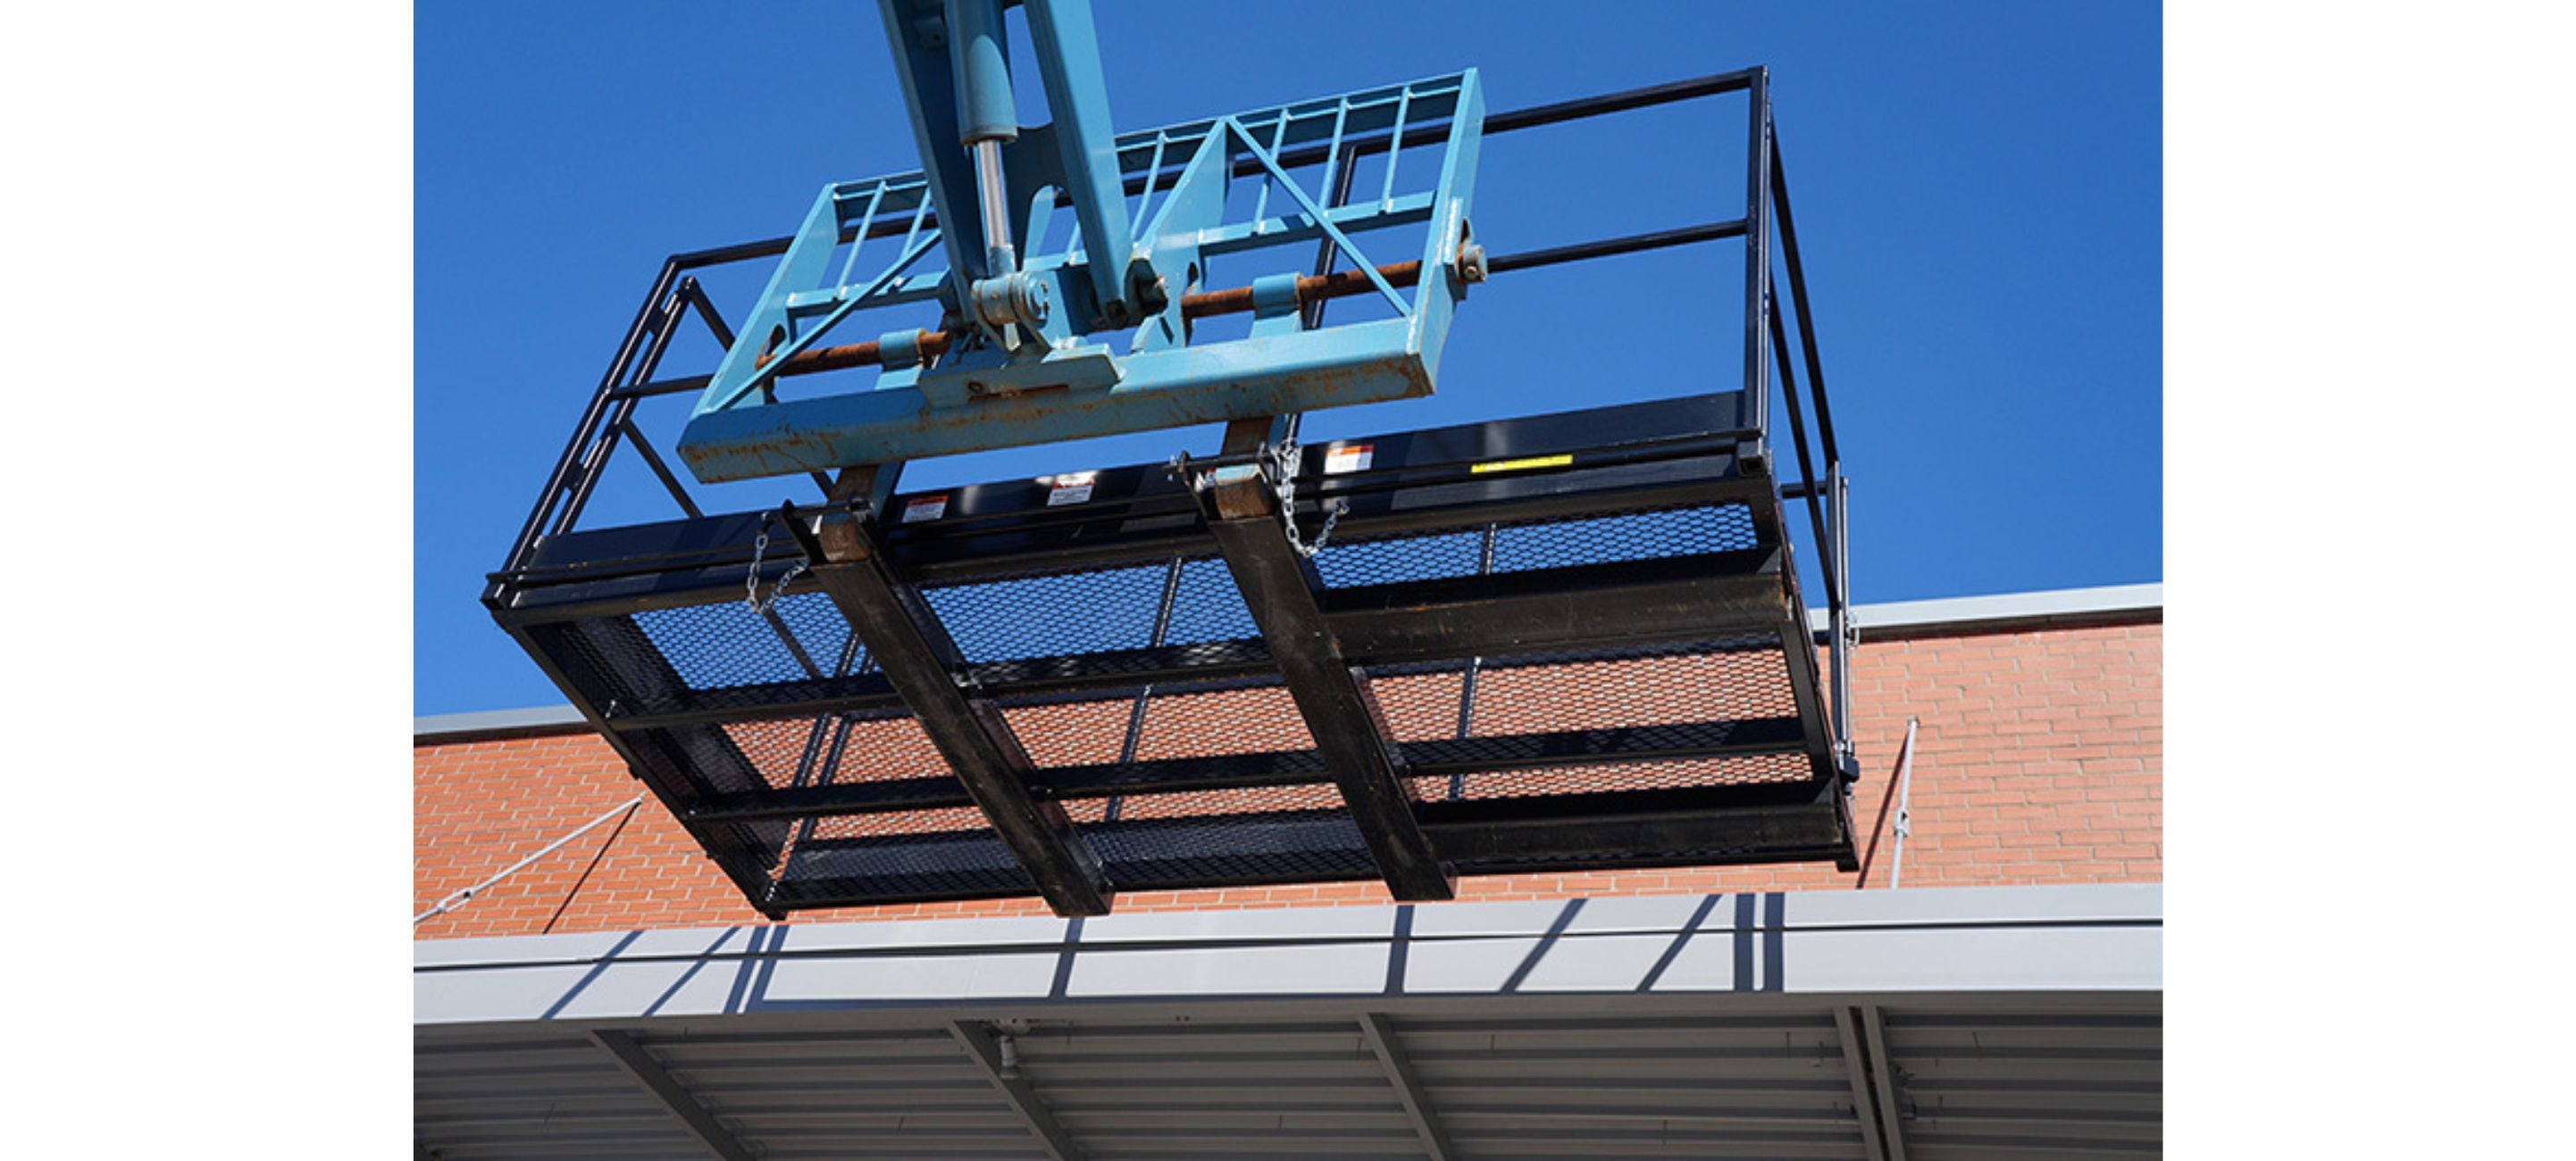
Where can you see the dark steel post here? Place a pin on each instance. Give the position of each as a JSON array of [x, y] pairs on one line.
[[913, 650], [1279, 586], [1757, 253], [1839, 584]]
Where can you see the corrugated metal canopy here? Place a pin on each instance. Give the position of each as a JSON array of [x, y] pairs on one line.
[[1993, 1028]]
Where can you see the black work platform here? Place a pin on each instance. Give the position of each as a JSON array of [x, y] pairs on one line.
[[1575, 641], [1559, 642]]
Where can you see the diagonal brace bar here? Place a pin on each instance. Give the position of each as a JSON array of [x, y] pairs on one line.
[[1279, 585], [914, 651], [1316, 213], [765, 370], [984, 1045], [1408, 1085], [649, 1072], [1891, 1115], [1856, 1066]]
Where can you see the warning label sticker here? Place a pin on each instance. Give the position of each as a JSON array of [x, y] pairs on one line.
[[921, 508], [1070, 488], [1349, 458]]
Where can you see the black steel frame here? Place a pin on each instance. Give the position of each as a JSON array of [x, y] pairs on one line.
[[561, 583]]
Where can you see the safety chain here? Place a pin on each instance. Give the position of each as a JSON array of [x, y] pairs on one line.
[[1332, 516], [751, 583], [1284, 458]]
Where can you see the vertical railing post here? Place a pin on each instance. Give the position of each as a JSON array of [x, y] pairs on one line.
[[1838, 588], [588, 429], [595, 464], [1757, 254], [1838, 535]]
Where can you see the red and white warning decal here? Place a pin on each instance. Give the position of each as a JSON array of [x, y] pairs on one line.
[[1070, 488], [1350, 457], [921, 508]]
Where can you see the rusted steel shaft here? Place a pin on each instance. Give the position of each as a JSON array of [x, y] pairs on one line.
[[1313, 288], [933, 345]]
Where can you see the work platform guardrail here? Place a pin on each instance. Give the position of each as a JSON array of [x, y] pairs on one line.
[[1580, 639]]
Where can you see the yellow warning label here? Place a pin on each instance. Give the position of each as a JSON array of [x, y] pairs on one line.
[[1521, 465]]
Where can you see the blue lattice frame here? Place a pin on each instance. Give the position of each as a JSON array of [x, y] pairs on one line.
[[1100, 374]]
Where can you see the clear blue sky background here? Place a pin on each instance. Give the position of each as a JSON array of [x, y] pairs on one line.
[[1977, 187]]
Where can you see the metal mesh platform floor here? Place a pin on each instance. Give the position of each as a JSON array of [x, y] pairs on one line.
[[1578, 640]]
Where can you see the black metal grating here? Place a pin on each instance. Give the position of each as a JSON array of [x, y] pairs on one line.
[[1615, 777], [947, 853], [1076, 612], [835, 749], [1142, 694], [1194, 850], [716, 657], [1533, 545], [1638, 688], [1050, 614], [718, 646]]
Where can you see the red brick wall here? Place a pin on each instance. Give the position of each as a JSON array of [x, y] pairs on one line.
[[2039, 761]]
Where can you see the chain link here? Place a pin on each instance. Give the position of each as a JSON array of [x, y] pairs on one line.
[[1284, 458], [1332, 516], [751, 583], [1282, 470]]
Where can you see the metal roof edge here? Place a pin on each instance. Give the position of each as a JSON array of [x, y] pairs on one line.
[[493, 725], [2020, 940], [2006, 612]]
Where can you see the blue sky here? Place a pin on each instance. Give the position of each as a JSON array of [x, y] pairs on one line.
[[1978, 191]]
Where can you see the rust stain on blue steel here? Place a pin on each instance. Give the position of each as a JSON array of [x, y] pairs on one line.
[[821, 435]]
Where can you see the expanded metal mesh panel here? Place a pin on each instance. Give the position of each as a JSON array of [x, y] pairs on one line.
[[1174, 721], [1610, 689], [1641, 699], [716, 646], [1069, 613], [1087, 731], [835, 749], [918, 864], [1255, 835], [1222, 718], [717, 656], [720, 655], [691, 763], [1050, 614], [1608, 777], [1207, 607], [1529, 546]]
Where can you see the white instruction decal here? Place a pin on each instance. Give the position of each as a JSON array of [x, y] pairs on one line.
[[1070, 488], [1349, 458], [922, 508]]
